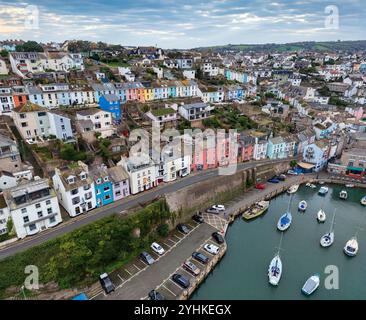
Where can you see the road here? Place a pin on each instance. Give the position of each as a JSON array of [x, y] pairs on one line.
[[118, 207]]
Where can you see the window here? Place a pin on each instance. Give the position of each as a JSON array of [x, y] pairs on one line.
[[52, 219], [24, 210], [39, 214], [89, 205], [106, 189], [23, 115], [38, 205], [32, 227], [74, 191], [48, 202], [26, 219], [75, 200], [77, 210], [87, 187], [24, 124], [49, 210], [107, 197]]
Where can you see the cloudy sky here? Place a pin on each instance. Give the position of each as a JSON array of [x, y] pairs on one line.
[[183, 23]]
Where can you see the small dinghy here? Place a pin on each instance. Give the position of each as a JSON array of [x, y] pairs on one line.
[[363, 201], [351, 247], [328, 239], [311, 284], [321, 216], [343, 195], [350, 185], [303, 205]]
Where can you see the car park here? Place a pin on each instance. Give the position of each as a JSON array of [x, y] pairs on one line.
[[147, 258], [183, 228], [211, 248], [200, 257], [157, 248], [218, 237], [191, 267], [106, 283], [198, 218], [181, 280], [155, 295], [219, 207]]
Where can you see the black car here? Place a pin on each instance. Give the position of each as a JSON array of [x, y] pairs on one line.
[[198, 218], [200, 257], [183, 228], [106, 283], [155, 295], [218, 237], [181, 280], [145, 257]]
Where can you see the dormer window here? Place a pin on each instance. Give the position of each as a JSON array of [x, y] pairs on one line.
[[106, 179], [99, 180], [71, 179], [82, 176]]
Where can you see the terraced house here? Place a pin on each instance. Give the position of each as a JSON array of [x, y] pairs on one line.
[[75, 189], [103, 185]]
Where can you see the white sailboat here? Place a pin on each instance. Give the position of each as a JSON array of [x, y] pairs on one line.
[[328, 239], [293, 188], [363, 201], [302, 205], [321, 216], [285, 220], [275, 267]]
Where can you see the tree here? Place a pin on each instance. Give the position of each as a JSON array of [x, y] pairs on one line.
[[4, 53], [68, 152], [163, 230], [293, 163], [29, 46]]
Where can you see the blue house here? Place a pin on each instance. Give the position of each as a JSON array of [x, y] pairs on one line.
[[111, 103], [276, 148], [103, 186], [315, 157]]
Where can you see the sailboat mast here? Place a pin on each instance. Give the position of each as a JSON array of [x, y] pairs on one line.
[[332, 224]]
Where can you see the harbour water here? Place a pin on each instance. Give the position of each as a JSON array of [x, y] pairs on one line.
[[242, 273]]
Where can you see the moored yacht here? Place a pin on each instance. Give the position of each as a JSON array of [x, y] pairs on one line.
[[351, 247], [343, 195], [303, 205], [311, 284], [323, 190], [328, 239], [293, 188]]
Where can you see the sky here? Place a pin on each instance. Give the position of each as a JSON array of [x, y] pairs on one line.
[[183, 24]]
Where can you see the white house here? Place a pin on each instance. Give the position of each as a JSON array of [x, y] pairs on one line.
[[4, 215], [195, 111], [101, 121], [142, 172], [7, 180], [121, 183], [189, 74], [162, 115], [75, 189], [6, 100], [260, 149], [33, 207]]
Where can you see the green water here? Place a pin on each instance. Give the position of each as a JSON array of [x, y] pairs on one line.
[[242, 273]]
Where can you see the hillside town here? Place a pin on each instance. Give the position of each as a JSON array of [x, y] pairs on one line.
[[67, 112]]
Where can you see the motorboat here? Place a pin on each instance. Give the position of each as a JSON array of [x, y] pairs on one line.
[[351, 247], [321, 216], [343, 195], [256, 210], [328, 239], [323, 190], [350, 185], [363, 201], [310, 185], [311, 284], [302, 205], [293, 188], [275, 267]]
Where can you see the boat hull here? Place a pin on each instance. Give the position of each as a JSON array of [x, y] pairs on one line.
[[327, 240], [275, 271], [284, 222], [311, 285]]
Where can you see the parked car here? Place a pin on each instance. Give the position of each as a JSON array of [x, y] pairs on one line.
[[273, 180], [156, 295], [106, 283], [218, 237], [198, 218], [219, 207], [211, 248], [183, 228], [212, 210], [191, 267], [292, 172], [144, 256], [260, 186], [157, 248], [282, 177], [181, 280], [184, 174], [200, 257]]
